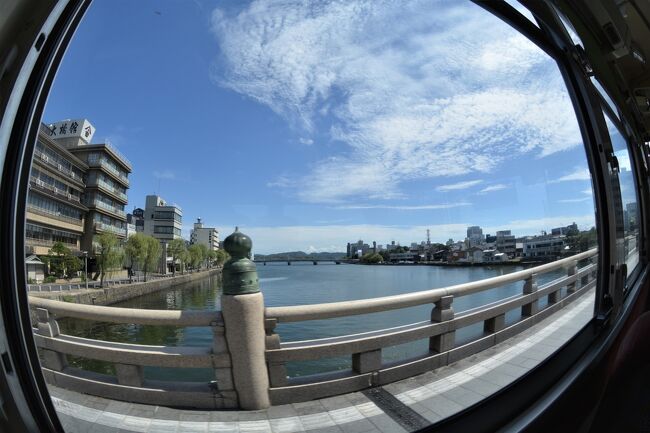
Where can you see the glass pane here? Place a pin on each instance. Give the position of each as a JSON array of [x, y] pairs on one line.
[[362, 163], [629, 198]]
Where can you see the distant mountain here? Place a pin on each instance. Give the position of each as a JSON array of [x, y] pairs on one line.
[[300, 255]]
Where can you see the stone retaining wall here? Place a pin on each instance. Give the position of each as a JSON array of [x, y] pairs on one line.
[[119, 293]]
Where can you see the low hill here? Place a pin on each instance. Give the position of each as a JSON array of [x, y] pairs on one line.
[[300, 255]]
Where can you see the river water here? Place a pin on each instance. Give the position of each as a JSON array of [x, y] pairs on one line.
[[300, 284]]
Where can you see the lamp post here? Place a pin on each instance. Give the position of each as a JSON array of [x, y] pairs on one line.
[[85, 253]]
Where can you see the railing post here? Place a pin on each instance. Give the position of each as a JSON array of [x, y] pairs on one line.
[[49, 327], [242, 307], [530, 286], [573, 268], [277, 369], [223, 375], [443, 312]]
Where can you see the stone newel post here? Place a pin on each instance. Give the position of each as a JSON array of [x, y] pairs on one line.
[[242, 306]]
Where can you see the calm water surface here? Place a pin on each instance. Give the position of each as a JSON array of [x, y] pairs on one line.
[[300, 284]]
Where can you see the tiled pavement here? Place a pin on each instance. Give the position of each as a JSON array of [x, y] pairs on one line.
[[430, 396]]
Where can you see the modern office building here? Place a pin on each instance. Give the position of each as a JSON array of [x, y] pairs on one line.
[[137, 219], [161, 220], [55, 211], [208, 236]]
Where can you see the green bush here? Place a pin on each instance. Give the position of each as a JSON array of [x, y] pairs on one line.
[[49, 279]]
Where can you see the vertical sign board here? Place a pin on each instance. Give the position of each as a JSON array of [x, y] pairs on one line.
[[78, 128]]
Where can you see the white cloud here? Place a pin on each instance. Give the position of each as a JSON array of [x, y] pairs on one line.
[[164, 174], [458, 185], [405, 207], [492, 188], [579, 173], [307, 141], [588, 191], [445, 92], [574, 200]]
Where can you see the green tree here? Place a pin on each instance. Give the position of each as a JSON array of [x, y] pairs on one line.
[[152, 250], [222, 256], [108, 254], [372, 258], [176, 248], [205, 252], [72, 265], [195, 255], [212, 258], [134, 251]]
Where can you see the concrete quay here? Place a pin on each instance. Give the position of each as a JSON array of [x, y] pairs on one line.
[[402, 406], [122, 292]]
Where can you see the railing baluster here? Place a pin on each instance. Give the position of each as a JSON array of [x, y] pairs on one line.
[[49, 327], [443, 312], [572, 269], [223, 375], [530, 286], [365, 362], [277, 370], [494, 324], [129, 375]]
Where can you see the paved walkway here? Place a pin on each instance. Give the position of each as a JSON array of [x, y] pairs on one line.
[[398, 407]]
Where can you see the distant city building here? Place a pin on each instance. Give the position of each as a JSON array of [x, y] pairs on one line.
[[358, 249], [505, 243], [564, 230], [490, 239], [546, 247], [136, 218], [475, 235], [208, 236]]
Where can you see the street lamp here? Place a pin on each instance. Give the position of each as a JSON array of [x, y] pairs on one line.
[[85, 253]]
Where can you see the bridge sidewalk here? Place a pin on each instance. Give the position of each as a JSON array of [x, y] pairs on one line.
[[398, 407]]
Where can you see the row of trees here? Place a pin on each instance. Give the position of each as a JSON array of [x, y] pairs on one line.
[[143, 252]]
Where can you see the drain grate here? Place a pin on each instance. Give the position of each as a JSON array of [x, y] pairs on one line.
[[398, 411]]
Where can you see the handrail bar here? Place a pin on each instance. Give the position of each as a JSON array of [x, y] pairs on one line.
[[298, 313], [127, 315]]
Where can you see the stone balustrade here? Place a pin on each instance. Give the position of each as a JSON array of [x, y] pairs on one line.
[[249, 357]]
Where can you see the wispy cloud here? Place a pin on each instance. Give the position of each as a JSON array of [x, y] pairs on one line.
[[458, 185], [446, 92], [164, 174], [405, 207], [579, 173], [492, 188], [307, 141], [574, 200]]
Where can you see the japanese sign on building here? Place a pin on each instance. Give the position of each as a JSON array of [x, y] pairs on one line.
[[81, 128]]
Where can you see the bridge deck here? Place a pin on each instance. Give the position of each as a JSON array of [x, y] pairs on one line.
[[398, 407]]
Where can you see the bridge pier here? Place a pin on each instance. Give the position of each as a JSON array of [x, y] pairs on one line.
[[315, 262]]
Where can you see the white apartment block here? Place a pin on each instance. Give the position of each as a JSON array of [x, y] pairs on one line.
[[208, 236]]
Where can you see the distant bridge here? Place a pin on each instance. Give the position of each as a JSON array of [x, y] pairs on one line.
[[290, 260]]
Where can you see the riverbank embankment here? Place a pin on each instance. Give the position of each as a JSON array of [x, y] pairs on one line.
[[123, 292]]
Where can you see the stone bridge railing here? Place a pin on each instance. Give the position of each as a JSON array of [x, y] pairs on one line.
[[249, 358]]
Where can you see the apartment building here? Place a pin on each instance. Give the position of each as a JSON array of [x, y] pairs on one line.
[[208, 236]]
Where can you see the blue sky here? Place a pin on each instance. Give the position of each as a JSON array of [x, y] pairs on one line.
[[313, 125]]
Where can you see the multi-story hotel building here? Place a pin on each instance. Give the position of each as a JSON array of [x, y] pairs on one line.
[[55, 209], [77, 189], [163, 222]]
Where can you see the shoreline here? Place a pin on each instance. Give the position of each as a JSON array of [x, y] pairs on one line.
[[123, 292]]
